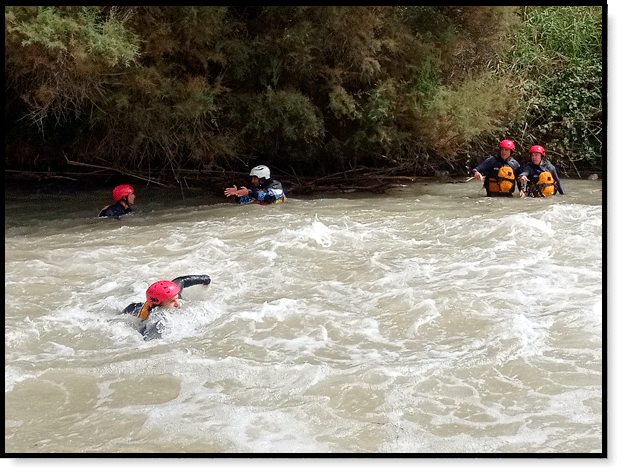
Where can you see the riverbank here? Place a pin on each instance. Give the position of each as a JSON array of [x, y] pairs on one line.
[[214, 182], [373, 180]]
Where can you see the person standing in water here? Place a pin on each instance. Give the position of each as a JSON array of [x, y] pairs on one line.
[[124, 197], [539, 177], [161, 294], [264, 190], [499, 173]]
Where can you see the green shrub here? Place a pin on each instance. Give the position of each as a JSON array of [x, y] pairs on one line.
[[284, 115], [558, 53], [455, 115], [83, 35], [59, 58]]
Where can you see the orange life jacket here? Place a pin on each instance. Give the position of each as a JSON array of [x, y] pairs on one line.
[[546, 184], [503, 183]]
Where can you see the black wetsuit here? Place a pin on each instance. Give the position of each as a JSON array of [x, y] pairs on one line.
[[532, 172], [152, 326], [489, 169], [114, 211]]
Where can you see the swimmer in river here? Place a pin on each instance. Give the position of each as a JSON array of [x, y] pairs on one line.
[[161, 294], [264, 190], [124, 197]]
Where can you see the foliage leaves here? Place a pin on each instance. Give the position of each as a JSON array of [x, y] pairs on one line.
[[559, 53], [312, 89], [61, 59]]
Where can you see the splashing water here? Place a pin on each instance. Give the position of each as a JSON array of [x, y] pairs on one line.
[[427, 320]]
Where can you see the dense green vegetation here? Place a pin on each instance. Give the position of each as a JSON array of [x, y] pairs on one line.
[[179, 93], [558, 54]]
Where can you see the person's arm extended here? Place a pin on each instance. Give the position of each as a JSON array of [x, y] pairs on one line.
[[189, 280], [481, 171]]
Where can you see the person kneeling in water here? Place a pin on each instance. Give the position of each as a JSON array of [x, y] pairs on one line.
[[264, 190], [163, 294]]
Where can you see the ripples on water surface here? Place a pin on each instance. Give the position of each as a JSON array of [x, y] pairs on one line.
[[428, 320]]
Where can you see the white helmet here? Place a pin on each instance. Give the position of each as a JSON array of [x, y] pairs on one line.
[[261, 171]]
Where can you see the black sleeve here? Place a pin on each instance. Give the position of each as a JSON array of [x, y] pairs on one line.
[[484, 167], [189, 280], [133, 309], [523, 171], [556, 177]]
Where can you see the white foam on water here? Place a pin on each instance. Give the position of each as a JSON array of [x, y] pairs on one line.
[[364, 325], [429, 312]]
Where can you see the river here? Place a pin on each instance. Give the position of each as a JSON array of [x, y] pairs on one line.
[[427, 320]]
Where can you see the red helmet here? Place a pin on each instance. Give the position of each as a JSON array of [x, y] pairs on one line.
[[160, 291], [508, 144], [537, 149], [122, 191]]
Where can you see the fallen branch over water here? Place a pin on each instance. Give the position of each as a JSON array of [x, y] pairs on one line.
[[119, 171], [215, 180], [38, 176], [348, 181]]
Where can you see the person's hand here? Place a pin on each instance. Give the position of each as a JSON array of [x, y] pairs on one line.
[[236, 192], [523, 178], [231, 191], [479, 177], [522, 194]]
